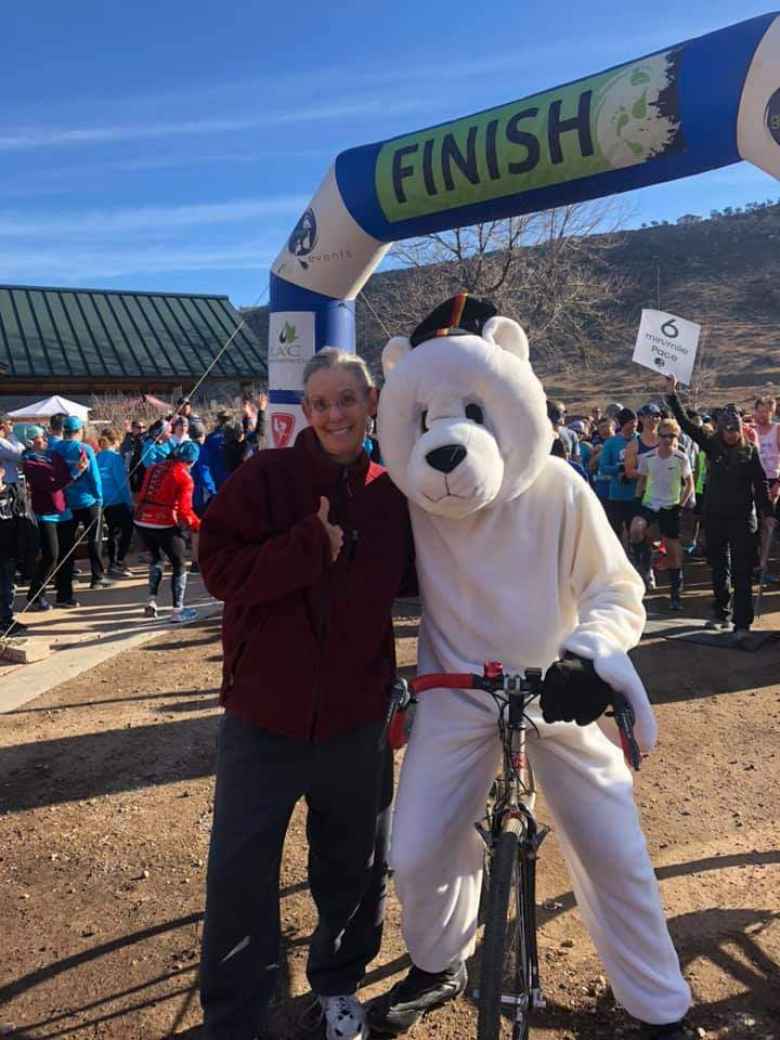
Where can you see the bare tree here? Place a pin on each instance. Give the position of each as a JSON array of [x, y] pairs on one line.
[[550, 271]]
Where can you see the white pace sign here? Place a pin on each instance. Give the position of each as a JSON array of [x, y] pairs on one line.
[[667, 344]]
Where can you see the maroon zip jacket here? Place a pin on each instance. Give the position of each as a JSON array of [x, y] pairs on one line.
[[308, 643]]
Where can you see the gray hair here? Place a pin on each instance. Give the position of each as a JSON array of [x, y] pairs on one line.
[[332, 357]]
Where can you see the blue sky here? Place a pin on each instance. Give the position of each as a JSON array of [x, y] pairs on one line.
[[172, 145]]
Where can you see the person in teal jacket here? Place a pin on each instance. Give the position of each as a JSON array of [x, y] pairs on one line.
[[85, 495], [622, 505], [117, 503]]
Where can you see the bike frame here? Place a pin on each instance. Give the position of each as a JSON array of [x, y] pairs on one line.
[[513, 792]]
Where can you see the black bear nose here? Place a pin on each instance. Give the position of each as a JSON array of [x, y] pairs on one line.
[[447, 457]]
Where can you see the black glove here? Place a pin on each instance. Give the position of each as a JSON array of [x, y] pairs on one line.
[[572, 692]]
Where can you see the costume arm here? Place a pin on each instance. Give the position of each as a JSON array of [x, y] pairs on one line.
[[608, 592], [243, 560]]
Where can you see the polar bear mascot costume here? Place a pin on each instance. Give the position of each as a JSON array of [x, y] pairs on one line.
[[517, 563]]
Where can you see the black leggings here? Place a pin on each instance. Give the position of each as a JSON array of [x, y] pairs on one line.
[[119, 520], [56, 540], [168, 540], [92, 519]]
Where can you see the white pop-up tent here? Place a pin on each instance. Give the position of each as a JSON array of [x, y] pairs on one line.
[[48, 407]]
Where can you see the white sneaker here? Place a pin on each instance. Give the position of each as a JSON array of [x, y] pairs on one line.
[[182, 615], [150, 610], [345, 1018]]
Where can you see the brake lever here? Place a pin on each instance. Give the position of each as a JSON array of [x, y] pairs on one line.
[[400, 698]]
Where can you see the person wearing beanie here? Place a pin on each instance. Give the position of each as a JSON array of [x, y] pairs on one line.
[[163, 512], [48, 475], [737, 489], [622, 505], [85, 495]]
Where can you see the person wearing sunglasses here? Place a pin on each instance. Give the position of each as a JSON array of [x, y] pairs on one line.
[[665, 483], [737, 490]]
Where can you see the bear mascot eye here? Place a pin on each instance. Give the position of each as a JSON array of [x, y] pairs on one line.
[[475, 413]]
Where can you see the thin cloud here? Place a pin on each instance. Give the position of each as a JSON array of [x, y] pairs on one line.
[[91, 223], [33, 138], [55, 265]]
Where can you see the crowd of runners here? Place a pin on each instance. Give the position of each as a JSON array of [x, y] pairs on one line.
[[141, 490], [677, 482]]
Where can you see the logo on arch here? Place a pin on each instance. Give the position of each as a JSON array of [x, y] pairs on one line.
[[282, 427], [773, 116], [303, 238]]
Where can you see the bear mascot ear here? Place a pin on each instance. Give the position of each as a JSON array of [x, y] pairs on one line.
[[506, 334], [395, 350]]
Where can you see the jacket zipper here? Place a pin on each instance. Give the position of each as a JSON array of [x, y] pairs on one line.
[[351, 550]]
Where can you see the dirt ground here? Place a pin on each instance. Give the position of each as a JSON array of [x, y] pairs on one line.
[[106, 798]]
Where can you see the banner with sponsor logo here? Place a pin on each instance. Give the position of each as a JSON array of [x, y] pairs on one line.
[[290, 345], [285, 422], [667, 344]]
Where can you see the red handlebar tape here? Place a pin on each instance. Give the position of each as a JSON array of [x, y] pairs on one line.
[[455, 681]]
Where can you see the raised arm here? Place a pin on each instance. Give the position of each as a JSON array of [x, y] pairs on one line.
[[696, 433]]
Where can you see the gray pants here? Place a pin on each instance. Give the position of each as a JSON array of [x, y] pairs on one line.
[[348, 786]]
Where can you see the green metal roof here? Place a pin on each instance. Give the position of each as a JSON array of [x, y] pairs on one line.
[[99, 333]]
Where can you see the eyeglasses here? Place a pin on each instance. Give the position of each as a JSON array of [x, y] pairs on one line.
[[344, 402]]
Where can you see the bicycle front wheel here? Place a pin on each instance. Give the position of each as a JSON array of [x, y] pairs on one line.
[[505, 970]]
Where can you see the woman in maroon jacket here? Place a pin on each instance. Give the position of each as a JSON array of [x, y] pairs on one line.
[[307, 547]]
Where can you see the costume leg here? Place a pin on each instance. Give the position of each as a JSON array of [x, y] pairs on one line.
[[349, 813], [259, 778], [588, 789], [435, 851]]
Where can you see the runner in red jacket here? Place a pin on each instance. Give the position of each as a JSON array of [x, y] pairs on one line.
[[164, 508], [307, 546]]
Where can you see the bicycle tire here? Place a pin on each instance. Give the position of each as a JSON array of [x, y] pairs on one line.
[[505, 963]]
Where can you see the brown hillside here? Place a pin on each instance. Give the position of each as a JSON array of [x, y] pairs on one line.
[[722, 272]]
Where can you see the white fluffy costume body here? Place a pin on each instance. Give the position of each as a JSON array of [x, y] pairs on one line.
[[517, 563]]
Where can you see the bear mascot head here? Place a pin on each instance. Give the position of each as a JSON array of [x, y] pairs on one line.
[[514, 550], [463, 421]]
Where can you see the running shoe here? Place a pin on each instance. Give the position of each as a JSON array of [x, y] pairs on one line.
[[178, 617], [345, 1018], [101, 583], [118, 570], [150, 609], [66, 604]]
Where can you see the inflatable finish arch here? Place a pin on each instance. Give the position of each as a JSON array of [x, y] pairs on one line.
[[692, 107]]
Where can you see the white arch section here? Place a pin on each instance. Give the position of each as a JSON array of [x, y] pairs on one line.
[[691, 107]]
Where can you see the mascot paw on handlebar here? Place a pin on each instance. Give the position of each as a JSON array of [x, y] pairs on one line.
[[573, 692]]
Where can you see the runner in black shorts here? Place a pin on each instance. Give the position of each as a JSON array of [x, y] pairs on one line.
[[665, 484]]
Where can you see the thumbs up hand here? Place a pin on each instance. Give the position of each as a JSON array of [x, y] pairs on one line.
[[334, 532]]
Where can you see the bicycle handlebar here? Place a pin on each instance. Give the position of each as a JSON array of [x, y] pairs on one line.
[[495, 680]]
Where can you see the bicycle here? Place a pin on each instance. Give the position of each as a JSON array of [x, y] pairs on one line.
[[510, 962]]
